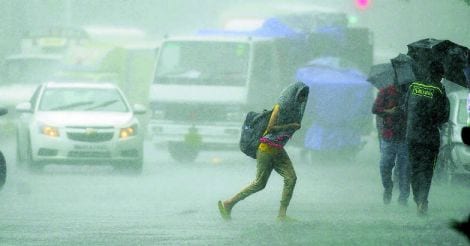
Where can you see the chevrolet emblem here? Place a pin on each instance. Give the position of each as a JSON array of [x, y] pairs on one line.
[[90, 131]]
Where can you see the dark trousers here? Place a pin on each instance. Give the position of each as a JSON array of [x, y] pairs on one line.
[[395, 154], [422, 159]]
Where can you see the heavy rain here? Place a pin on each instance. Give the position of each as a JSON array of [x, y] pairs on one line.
[[121, 122]]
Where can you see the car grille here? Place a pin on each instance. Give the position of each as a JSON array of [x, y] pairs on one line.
[[90, 134], [88, 154], [87, 137]]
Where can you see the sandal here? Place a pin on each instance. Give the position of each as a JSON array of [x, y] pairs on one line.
[[286, 219], [223, 211]]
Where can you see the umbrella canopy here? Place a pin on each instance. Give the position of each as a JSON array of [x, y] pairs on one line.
[[403, 67], [381, 75], [453, 56]]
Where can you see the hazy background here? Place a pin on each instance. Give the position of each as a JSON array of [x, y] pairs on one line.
[[395, 23], [175, 203]]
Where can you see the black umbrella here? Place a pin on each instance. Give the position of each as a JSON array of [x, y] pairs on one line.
[[381, 75], [453, 56], [403, 67]]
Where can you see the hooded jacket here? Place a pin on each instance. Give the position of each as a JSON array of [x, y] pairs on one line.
[[393, 125], [290, 111]]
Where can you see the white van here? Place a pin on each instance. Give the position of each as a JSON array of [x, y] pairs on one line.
[[204, 85]]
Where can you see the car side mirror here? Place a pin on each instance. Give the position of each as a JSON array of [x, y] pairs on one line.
[[3, 110], [465, 134], [139, 109], [24, 107]]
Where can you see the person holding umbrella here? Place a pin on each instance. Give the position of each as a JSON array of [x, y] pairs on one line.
[[427, 108], [388, 107], [393, 149]]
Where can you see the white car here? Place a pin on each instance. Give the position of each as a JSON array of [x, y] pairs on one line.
[[79, 123]]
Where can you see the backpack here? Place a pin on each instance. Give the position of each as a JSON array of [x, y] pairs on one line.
[[252, 130]]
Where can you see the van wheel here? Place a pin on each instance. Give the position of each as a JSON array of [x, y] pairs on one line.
[[183, 152], [3, 170]]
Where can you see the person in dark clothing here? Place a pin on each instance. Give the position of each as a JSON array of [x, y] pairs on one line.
[[285, 120], [427, 109], [393, 148]]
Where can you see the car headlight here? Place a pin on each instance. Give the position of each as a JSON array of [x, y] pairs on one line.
[[49, 130], [128, 131]]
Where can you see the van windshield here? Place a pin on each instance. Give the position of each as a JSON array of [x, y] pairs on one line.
[[203, 63]]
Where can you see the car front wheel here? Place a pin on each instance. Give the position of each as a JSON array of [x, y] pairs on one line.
[[20, 153], [33, 166], [444, 171]]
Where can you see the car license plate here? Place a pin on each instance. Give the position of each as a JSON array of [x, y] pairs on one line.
[[89, 147]]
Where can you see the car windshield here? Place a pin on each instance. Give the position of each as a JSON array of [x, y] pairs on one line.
[[204, 63], [463, 114], [82, 99]]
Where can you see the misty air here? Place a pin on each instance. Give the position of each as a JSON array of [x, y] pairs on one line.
[[342, 122]]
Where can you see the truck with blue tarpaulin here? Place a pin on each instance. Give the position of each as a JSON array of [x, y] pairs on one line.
[[206, 82]]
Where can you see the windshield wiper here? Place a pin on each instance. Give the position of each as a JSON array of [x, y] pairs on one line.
[[103, 104], [72, 105]]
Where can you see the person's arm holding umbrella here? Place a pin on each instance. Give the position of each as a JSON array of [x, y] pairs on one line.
[[380, 108]]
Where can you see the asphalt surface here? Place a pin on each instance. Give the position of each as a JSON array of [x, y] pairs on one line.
[[335, 203]]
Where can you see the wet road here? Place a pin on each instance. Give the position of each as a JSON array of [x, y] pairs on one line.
[[335, 203]]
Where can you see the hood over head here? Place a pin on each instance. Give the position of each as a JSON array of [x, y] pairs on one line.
[[291, 109]]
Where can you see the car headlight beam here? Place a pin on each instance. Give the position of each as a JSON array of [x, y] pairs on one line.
[[128, 131], [49, 131]]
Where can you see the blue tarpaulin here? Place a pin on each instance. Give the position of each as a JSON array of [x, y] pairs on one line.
[[339, 105]]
